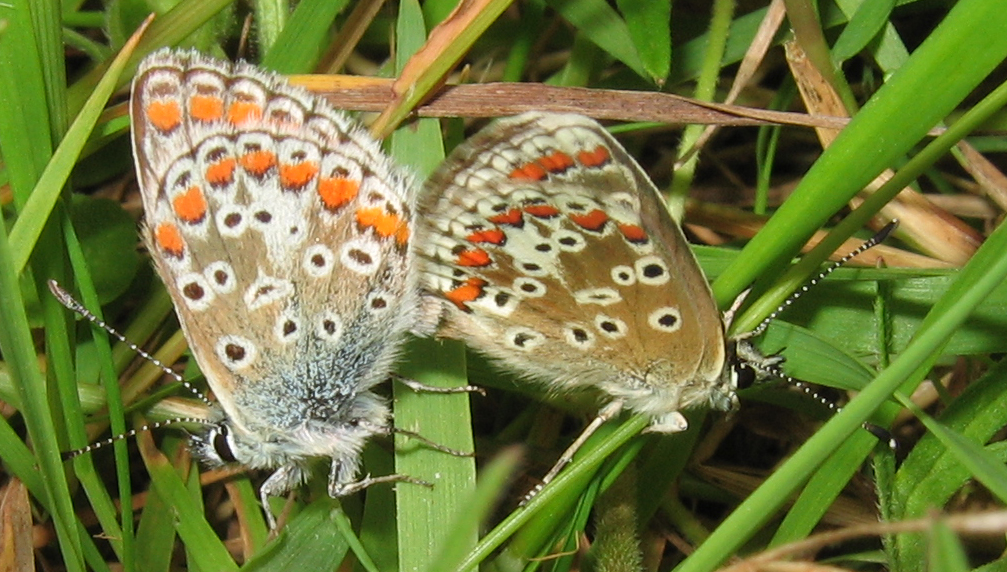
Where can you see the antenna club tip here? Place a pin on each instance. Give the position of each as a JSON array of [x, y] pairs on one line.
[[58, 291], [883, 234]]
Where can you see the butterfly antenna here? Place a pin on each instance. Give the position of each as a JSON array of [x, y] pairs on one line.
[[796, 295], [67, 455], [879, 432], [774, 371], [72, 304]]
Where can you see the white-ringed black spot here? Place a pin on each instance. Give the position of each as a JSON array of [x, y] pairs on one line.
[[231, 221], [543, 247], [652, 271], [318, 260], [499, 302], [667, 319], [529, 287], [263, 216], [524, 339], [220, 276], [612, 328], [532, 268], [501, 299], [379, 301], [362, 256], [287, 327], [267, 290], [597, 296], [329, 327], [235, 352], [578, 336], [193, 291], [569, 241], [196, 291], [623, 275]]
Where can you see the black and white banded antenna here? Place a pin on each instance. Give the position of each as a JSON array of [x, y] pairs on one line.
[[773, 370], [771, 367], [868, 244], [73, 305]]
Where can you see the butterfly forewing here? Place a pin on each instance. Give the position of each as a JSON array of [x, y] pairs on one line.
[[554, 253], [284, 237]]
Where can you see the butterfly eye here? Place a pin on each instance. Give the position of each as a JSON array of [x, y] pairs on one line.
[[744, 375], [221, 442]]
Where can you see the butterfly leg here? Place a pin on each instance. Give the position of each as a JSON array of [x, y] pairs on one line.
[[424, 388], [607, 413], [342, 481], [431, 444], [283, 480]]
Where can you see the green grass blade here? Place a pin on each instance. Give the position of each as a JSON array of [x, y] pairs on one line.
[[649, 24], [35, 212], [201, 542], [604, 27], [892, 121], [297, 49], [986, 270]]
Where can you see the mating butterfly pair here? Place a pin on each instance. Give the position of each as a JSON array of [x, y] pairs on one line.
[[296, 259]]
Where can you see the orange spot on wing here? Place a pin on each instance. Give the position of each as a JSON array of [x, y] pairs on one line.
[[258, 162], [221, 173], [336, 192], [529, 172], [383, 223], [164, 115], [557, 162], [596, 158], [542, 211], [402, 235], [297, 176], [593, 220], [475, 257], [206, 108], [190, 206], [511, 217], [169, 239], [242, 112], [633, 233], [470, 291], [492, 236]]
